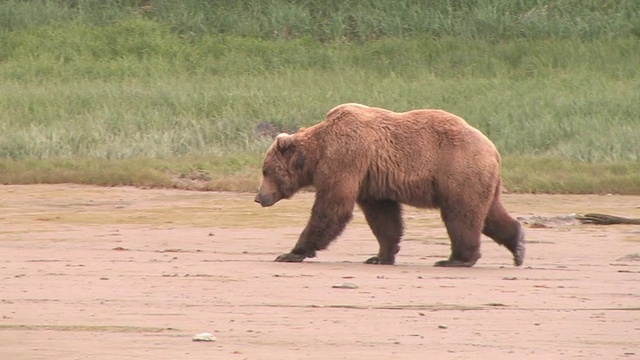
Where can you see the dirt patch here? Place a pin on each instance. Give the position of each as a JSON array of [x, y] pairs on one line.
[[124, 273]]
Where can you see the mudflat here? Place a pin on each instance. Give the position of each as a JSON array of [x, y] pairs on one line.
[[125, 273]]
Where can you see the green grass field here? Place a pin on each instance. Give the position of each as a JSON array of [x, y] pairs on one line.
[[147, 92]]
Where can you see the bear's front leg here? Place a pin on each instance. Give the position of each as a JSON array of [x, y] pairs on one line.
[[331, 213], [300, 251]]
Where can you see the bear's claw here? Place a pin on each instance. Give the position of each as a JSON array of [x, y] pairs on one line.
[[518, 257], [290, 257], [377, 261], [454, 263]]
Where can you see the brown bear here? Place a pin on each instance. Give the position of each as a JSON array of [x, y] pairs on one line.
[[379, 160]]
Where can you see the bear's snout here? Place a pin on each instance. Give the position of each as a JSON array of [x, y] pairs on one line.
[[258, 199], [265, 200]]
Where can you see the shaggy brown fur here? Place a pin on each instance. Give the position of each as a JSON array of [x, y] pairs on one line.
[[379, 160]]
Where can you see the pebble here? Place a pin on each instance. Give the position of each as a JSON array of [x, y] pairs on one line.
[[346, 285], [204, 337], [442, 326]]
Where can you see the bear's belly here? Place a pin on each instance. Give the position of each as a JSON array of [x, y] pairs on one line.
[[418, 194]]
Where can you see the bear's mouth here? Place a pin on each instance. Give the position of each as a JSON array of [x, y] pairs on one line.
[[266, 200]]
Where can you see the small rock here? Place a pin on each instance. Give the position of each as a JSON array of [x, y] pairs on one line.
[[346, 285], [495, 304], [538, 225], [510, 278], [442, 326], [630, 257], [204, 337]]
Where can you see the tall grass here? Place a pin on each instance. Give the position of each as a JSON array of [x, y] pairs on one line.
[[330, 20], [181, 81], [83, 91]]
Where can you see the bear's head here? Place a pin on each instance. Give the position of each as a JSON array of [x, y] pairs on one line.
[[282, 170]]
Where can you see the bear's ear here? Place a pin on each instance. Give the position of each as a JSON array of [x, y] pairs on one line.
[[284, 142]]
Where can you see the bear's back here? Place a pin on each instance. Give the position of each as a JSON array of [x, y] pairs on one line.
[[429, 127], [402, 151]]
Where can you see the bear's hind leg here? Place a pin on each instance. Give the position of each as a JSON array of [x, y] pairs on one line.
[[505, 230], [464, 232], [385, 220]]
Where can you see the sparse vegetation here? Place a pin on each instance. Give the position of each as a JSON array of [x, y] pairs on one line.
[[146, 92]]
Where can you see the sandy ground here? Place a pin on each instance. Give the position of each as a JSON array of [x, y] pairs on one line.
[[124, 273]]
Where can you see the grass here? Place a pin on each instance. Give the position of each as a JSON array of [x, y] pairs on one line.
[[167, 93], [562, 176], [345, 20]]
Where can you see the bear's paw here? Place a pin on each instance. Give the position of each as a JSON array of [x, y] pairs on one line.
[[290, 257]]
